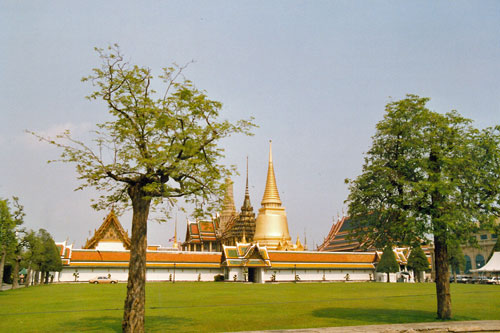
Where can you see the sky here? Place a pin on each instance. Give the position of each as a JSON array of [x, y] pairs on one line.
[[315, 75]]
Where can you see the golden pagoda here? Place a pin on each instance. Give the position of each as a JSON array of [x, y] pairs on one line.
[[228, 213], [271, 228], [244, 225]]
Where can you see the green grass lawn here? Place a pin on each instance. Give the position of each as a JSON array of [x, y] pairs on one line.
[[214, 306]]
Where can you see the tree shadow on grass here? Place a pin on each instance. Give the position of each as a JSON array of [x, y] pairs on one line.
[[114, 324], [381, 316]]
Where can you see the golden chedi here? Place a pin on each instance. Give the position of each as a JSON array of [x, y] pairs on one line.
[[271, 226]]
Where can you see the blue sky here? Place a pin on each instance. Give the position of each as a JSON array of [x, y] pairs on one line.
[[316, 75]]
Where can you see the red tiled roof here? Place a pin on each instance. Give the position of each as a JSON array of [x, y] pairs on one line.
[[109, 256], [291, 256]]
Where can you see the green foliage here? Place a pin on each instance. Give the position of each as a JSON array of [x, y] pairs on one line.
[[164, 141], [7, 226], [456, 257], [388, 262], [41, 252], [426, 173], [10, 220], [417, 261]]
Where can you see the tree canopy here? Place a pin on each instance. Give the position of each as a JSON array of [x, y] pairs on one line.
[[388, 263], [425, 174], [417, 261], [10, 219]]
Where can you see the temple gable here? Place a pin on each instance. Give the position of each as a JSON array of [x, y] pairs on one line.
[[109, 236]]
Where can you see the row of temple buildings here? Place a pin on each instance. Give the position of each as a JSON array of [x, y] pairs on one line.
[[238, 245]]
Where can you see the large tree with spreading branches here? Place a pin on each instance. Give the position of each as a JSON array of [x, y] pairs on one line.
[[425, 174], [160, 144]]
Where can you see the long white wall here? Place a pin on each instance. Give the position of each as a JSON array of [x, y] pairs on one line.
[[205, 274], [318, 275], [152, 274]]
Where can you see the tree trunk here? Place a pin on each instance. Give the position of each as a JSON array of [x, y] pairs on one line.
[[440, 237], [134, 310], [27, 278], [388, 277], [442, 277], [15, 274], [2, 264], [37, 275], [454, 276]]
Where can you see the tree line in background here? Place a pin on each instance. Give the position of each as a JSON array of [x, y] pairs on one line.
[[24, 250]]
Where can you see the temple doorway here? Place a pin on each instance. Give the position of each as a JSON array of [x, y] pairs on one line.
[[251, 274], [254, 275]]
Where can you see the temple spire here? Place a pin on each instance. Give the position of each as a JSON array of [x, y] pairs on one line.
[[271, 196], [228, 209], [175, 245]]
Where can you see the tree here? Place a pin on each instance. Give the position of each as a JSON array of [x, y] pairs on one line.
[[417, 261], [9, 221], [456, 259], [157, 147], [427, 174], [388, 263], [48, 259], [33, 250]]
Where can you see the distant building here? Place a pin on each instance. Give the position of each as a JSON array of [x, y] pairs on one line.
[[477, 257], [235, 245], [337, 240]]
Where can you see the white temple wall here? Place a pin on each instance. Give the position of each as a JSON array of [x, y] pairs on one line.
[[182, 274], [87, 273], [318, 274], [110, 246], [152, 274]]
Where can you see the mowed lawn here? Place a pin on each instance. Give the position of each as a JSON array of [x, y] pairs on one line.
[[211, 306]]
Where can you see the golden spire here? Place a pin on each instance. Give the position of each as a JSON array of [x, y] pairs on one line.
[[228, 209], [271, 196], [175, 246]]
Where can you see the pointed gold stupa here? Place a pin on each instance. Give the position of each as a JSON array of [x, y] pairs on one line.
[[228, 208], [271, 226]]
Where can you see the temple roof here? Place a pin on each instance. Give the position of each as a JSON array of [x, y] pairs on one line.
[[201, 231], [90, 258], [337, 237], [110, 230], [244, 254]]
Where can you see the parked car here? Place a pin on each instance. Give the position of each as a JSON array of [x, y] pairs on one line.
[[103, 279], [464, 279], [493, 280], [480, 280]]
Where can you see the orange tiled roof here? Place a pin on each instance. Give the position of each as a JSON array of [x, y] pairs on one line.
[[118, 256], [322, 257]]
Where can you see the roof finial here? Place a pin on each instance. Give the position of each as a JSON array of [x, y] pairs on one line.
[[270, 151]]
